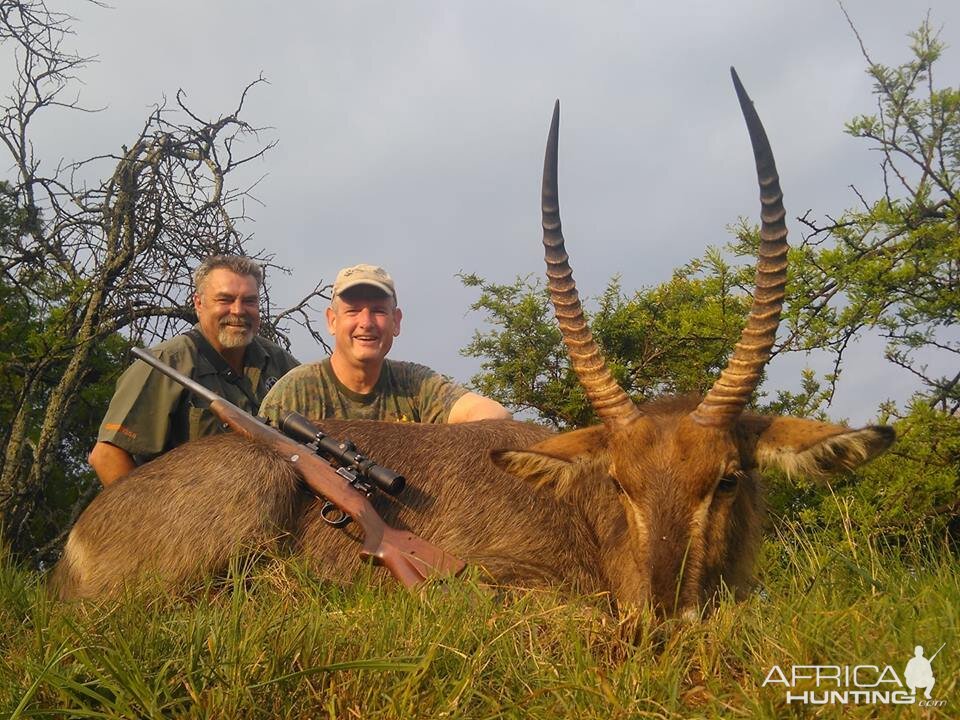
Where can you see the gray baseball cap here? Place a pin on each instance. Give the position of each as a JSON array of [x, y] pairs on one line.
[[364, 274]]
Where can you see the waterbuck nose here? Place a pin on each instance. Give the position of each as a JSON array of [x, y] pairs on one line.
[[671, 573]]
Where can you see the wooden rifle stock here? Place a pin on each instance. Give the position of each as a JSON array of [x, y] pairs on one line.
[[410, 558]]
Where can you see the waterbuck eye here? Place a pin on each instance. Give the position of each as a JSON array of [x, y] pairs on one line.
[[728, 483]]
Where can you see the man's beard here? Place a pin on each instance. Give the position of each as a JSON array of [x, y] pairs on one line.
[[229, 337]]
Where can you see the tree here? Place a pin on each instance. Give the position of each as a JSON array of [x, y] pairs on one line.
[[91, 262], [892, 264], [673, 338]]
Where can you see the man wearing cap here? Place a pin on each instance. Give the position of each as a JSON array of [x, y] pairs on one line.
[[357, 381], [150, 413]]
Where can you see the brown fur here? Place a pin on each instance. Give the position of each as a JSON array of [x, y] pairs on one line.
[[635, 512], [180, 518]]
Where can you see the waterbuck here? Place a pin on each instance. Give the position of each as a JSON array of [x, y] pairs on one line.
[[659, 504]]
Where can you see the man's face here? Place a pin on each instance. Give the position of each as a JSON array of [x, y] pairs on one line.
[[363, 321], [228, 307]]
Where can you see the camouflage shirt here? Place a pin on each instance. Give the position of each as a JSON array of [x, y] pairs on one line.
[[150, 413], [405, 392]]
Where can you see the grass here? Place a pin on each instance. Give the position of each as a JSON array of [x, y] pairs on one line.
[[272, 642]]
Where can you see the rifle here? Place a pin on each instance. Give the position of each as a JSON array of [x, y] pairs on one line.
[[410, 558], [360, 471]]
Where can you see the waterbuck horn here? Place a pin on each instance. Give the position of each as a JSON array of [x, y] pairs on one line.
[[730, 393], [612, 405]]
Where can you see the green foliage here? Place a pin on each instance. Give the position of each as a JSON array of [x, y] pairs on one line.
[[673, 338], [810, 401], [15, 220], [525, 365], [911, 490], [892, 265], [28, 337]]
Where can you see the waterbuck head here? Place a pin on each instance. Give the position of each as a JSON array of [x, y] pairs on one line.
[[684, 472]]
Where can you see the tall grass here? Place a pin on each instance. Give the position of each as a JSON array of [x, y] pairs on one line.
[[269, 641]]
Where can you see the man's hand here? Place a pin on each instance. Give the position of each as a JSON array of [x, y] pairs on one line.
[[477, 407]]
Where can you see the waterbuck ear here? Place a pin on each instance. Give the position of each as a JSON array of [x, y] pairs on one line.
[[555, 460], [811, 448]]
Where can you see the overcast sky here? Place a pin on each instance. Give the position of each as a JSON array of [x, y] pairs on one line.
[[411, 134]]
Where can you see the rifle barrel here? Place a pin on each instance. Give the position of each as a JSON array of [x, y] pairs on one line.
[[192, 385]]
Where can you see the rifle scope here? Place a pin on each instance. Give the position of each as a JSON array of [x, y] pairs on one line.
[[296, 426]]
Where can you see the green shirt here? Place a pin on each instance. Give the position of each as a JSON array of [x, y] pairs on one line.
[[405, 392], [150, 413]]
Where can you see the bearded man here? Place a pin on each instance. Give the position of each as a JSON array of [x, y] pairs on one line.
[[150, 413]]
